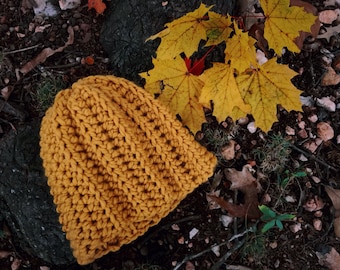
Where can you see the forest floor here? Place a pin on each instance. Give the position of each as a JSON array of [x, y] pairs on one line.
[[297, 163]]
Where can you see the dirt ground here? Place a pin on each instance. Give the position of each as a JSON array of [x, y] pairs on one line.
[[284, 154]]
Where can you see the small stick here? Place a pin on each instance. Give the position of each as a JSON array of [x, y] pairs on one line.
[[311, 156], [230, 252], [22, 50]]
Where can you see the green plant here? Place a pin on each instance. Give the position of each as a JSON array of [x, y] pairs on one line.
[[47, 89], [272, 219], [289, 176], [254, 245], [273, 156]]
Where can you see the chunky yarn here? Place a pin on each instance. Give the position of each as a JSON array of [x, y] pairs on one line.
[[117, 162]]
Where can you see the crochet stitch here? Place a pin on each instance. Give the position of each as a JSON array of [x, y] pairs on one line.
[[117, 162]]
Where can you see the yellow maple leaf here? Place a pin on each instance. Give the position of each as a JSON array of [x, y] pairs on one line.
[[220, 87], [183, 34], [266, 87], [178, 90], [283, 23], [218, 28], [240, 51]]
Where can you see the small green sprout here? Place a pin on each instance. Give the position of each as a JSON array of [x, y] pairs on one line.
[[272, 219], [290, 176]]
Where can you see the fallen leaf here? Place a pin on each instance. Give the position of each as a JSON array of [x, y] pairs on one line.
[[98, 5], [218, 28], [183, 34], [260, 87], [328, 257], [220, 87], [241, 46], [331, 31], [245, 182], [336, 225], [314, 29], [283, 24], [334, 195], [325, 131], [178, 90], [47, 52]]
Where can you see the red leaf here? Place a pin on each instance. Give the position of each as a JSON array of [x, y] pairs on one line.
[[195, 68]]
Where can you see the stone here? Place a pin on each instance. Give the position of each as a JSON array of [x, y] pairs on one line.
[[26, 205], [129, 23]]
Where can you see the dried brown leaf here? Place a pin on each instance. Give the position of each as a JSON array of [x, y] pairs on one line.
[[334, 195], [240, 179], [245, 182], [315, 28], [336, 225], [331, 31], [47, 52]]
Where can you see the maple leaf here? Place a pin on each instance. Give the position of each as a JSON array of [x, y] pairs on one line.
[[195, 67], [183, 34], [178, 89], [283, 23], [218, 28], [264, 88], [245, 182], [220, 87], [98, 5], [241, 46]]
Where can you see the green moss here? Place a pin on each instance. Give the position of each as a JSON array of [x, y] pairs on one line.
[[47, 90]]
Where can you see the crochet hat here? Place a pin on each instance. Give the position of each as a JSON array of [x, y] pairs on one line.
[[117, 162]]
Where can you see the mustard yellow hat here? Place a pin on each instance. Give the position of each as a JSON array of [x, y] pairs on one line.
[[117, 162]]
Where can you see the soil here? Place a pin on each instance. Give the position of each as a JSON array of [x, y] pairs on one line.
[[281, 154]]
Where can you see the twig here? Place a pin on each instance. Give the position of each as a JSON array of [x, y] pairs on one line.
[[230, 252], [22, 50], [221, 261], [166, 226], [194, 256], [311, 156]]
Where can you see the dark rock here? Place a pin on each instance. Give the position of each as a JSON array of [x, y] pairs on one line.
[[130, 22], [25, 201]]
